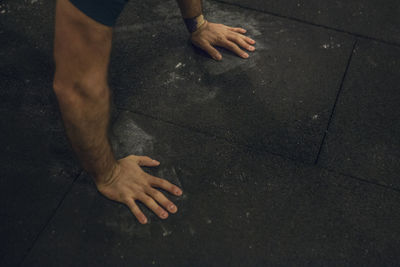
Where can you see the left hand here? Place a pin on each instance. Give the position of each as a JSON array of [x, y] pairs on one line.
[[129, 183], [212, 34]]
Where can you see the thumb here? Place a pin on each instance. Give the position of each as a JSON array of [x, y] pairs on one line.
[[148, 162], [211, 51], [207, 47]]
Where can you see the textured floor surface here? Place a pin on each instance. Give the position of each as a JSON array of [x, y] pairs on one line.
[[291, 157]]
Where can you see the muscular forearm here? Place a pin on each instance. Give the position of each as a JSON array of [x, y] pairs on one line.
[[190, 8], [86, 119], [81, 52]]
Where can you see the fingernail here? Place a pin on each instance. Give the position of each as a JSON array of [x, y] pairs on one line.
[[156, 161], [144, 220], [251, 48], [178, 192], [172, 207], [164, 214], [218, 57], [245, 55]]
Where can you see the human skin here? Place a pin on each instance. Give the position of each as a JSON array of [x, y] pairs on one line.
[[82, 52], [212, 34]]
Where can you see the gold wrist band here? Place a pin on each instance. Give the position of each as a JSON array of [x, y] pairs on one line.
[[194, 24]]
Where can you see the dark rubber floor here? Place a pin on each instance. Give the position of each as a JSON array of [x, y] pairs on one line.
[[289, 158]]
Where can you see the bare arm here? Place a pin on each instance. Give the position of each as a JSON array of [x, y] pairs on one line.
[[81, 51], [209, 34], [79, 66], [190, 8]]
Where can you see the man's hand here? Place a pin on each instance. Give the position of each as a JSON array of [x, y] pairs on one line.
[[129, 183], [211, 34]]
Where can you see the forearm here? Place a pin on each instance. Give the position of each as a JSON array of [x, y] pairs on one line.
[[190, 8], [81, 53], [86, 120]]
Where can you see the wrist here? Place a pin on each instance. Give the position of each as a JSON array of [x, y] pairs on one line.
[[194, 24], [107, 177]]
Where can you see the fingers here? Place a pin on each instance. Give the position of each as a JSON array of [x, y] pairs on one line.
[[130, 202], [242, 31], [249, 40], [238, 39], [160, 198], [239, 30], [164, 184], [147, 162], [211, 51], [149, 202], [235, 49]]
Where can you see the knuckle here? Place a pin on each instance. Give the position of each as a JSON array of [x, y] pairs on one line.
[[202, 42], [163, 182], [231, 46], [122, 196], [155, 193], [127, 200], [136, 191], [157, 181], [152, 181], [146, 199], [149, 199], [236, 38], [145, 184]]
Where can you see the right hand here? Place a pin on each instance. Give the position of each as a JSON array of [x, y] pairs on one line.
[[129, 183]]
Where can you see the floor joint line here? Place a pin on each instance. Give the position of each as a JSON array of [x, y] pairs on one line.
[[264, 151], [336, 101], [24, 257], [358, 35], [362, 179]]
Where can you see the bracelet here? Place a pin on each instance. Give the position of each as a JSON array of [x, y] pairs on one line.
[[195, 23]]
